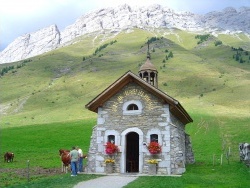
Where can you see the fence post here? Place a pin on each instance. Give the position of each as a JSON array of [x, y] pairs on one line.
[[28, 170], [228, 155], [213, 158], [221, 157]]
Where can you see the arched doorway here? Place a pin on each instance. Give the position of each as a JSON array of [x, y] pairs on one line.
[[132, 152]]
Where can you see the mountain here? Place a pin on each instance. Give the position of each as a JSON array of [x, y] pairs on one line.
[[32, 44], [55, 86], [42, 99], [115, 20]]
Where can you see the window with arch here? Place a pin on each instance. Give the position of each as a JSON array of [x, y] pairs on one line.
[[111, 138], [132, 107], [154, 138]]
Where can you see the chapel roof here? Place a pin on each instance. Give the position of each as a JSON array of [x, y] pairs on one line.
[[148, 65], [175, 107]]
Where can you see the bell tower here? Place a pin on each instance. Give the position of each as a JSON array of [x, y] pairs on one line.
[[148, 72]]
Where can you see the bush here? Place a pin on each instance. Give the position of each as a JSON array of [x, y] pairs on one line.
[[103, 46], [112, 42], [170, 55], [218, 42], [152, 39], [6, 70], [202, 38]]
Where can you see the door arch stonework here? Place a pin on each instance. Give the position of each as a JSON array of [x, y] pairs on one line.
[[124, 149], [132, 152]]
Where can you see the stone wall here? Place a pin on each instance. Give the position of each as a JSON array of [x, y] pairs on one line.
[[189, 151], [177, 146], [152, 117]]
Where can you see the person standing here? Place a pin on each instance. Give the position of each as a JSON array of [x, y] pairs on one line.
[[74, 155], [80, 162]]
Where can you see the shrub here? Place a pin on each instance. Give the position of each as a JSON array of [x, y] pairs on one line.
[[103, 46], [218, 42], [170, 55], [202, 38], [152, 39]]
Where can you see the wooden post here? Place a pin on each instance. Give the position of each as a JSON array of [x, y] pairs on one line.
[[221, 158], [213, 158], [229, 154], [28, 170]]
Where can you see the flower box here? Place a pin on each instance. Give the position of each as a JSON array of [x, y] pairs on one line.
[[109, 168], [109, 165], [152, 169]]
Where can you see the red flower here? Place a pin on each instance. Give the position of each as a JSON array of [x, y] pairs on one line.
[[154, 147], [111, 148]]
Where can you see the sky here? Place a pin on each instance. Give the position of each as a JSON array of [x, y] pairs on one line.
[[18, 17]]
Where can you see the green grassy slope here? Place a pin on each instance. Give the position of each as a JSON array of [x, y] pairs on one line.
[[52, 90], [56, 86], [211, 136]]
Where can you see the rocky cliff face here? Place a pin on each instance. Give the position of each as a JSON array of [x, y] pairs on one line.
[[32, 44], [123, 17]]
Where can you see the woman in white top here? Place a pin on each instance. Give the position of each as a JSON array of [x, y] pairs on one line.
[[80, 162]]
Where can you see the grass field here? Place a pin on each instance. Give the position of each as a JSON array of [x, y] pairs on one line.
[[59, 83], [42, 104], [210, 136]]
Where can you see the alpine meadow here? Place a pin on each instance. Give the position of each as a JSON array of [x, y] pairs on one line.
[[43, 102]]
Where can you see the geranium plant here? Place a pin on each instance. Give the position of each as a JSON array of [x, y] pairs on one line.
[[152, 161], [111, 148], [109, 161], [154, 147]]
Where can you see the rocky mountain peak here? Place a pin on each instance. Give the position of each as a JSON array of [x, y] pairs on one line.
[[126, 17], [31, 44]]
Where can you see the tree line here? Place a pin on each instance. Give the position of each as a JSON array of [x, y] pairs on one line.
[[241, 55], [99, 49], [12, 68]]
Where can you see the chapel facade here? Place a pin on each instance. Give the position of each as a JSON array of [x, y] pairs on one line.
[[133, 112]]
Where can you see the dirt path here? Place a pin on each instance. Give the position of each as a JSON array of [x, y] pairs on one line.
[[114, 181]]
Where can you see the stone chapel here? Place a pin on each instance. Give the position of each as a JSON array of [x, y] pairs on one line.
[[132, 112]]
